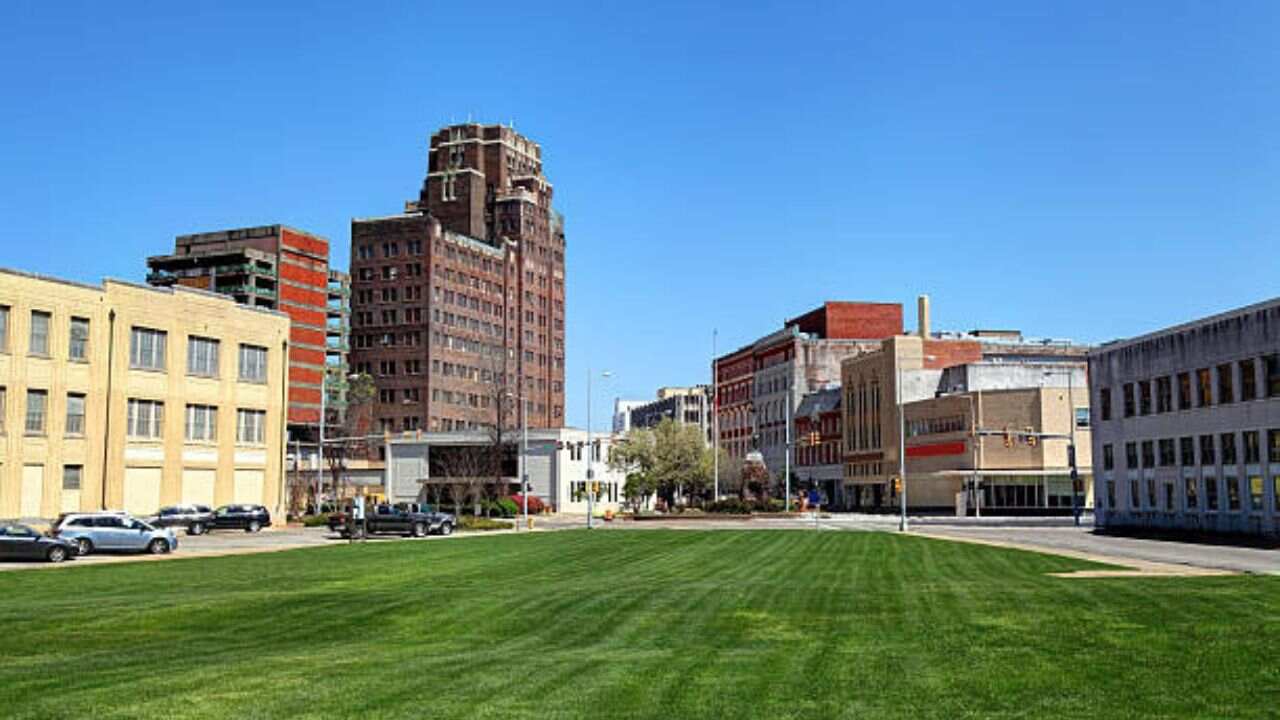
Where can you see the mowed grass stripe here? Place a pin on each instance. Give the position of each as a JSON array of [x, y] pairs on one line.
[[703, 624]]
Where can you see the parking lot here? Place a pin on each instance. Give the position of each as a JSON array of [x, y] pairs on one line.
[[227, 542]]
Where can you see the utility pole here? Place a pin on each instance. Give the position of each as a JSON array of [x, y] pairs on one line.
[[786, 451], [902, 451], [524, 458], [715, 420], [590, 470]]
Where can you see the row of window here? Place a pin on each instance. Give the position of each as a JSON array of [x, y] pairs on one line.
[[1221, 385], [1196, 494], [1161, 452], [145, 418], [39, 342]]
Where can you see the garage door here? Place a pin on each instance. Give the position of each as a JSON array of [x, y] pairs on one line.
[[32, 491], [141, 490], [248, 487], [197, 487]]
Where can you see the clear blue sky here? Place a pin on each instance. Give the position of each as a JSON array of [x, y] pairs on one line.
[[1090, 170]]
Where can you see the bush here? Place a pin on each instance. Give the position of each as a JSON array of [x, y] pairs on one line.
[[729, 506], [315, 520], [468, 522], [536, 506]]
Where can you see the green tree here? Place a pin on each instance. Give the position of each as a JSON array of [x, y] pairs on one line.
[[670, 461]]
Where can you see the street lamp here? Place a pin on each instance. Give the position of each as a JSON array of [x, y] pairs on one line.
[[902, 444], [590, 470], [1071, 442], [524, 451], [324, 396]]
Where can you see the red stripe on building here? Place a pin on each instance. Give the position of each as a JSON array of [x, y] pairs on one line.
[[936, 449], [303, 276], [307, 243]]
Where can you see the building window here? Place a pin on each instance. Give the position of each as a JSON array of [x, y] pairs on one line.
[[1252, 448], [1255, 493], [4, 328], [146, 419], [1111, 494], [1226, 385], [37, 400], [1205, 385], [1184, 391], [1187, 451], [1271, 368], [1167, 456], [72, 475], [1131, 455], [1164, 394], [78, 346], [1128, 400], [1248, 380], [202, 356], [1189, 485], [251, 426], [75, 414], [1135, 495], [1206, 450], [1210, 493], [1233, 492], [1082, 418], [253, 363], [1104, 399], [202, 423], [39, 333], [147, 348], [1273, 445], [1229, 449], [1148, 454], [1108, 457], [1144, 397]]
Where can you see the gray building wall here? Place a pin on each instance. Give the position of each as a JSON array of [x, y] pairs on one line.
[[1231, 347]]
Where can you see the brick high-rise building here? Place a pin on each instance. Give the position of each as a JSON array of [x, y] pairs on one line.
[[459, 301], [278, 267]]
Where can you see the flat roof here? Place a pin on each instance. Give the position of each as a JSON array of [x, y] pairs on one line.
[[1183, 327]]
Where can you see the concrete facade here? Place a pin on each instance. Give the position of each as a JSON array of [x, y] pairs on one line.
[[1187, 425], [557, 467], [112, 398], [685, 406]]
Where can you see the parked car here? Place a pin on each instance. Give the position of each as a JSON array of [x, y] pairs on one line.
[[250, 518], [409, 519], [20, 542], [195, 518], [109, 531]]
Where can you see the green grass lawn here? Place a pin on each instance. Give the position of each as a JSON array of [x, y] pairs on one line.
[[660, 624]]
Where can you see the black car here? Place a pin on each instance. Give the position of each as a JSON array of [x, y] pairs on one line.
[[250, 518], [19, 542], [405, 519], [195, 518]]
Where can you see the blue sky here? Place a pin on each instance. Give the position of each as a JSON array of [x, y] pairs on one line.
[[1083, 170]]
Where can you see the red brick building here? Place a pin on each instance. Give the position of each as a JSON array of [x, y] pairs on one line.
[[458, 302], [760, 385], [271, 266]]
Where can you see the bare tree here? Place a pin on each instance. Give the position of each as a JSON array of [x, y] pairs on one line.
[[503, 423], [353, 421], [463, 470]]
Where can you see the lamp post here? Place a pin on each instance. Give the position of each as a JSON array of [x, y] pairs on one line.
[[524, 452], [715, 421], [902, 443], [1071, 441], [590, 470]]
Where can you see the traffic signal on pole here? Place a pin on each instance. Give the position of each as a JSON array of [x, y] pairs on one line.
[[595, 488], [897, 485], [1008, 438], [1032, 439]]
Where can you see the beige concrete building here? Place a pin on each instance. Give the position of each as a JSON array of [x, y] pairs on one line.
[[127, 397], [951, 395]]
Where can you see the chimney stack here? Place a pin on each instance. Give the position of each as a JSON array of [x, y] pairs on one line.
[[922, 311]]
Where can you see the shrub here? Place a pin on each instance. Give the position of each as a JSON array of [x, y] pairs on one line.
[[536, 505], [315, 520], [729, 506], [468, 522]]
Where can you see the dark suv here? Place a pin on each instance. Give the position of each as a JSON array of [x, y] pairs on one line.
[[195, 518], [250, 518]]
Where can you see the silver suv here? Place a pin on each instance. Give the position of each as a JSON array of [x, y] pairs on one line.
[[113, 531]]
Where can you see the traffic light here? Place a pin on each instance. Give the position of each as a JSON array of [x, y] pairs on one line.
[[595, 488], [897, 485], [1032, 439], [1008, 438]]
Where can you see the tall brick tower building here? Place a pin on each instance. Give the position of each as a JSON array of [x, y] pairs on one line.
[[458, 302]]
